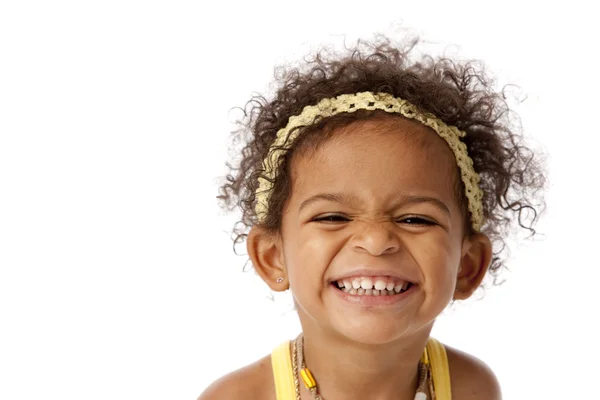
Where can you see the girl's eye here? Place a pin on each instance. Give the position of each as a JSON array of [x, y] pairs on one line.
[[416, 221], [331, 218]]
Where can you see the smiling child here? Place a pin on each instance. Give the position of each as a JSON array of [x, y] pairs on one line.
[[377, 188]]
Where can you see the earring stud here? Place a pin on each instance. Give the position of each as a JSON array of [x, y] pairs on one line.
[[279, 280]]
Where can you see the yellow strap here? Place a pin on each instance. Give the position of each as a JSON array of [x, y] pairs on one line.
[[440, 371], [283, 374], [285, 388]]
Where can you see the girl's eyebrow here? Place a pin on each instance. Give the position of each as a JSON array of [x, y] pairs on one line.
[[347, 198]]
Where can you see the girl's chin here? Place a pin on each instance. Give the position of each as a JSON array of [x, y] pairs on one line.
[[372, 334]]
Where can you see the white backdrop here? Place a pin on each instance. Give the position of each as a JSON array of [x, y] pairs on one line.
[[117, 278]]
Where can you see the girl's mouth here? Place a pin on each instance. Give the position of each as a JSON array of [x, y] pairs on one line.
[[372, 286]]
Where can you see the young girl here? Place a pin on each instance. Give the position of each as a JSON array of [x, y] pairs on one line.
[[375, 187]]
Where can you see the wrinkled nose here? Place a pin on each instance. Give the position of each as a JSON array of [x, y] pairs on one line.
[[377, 239]]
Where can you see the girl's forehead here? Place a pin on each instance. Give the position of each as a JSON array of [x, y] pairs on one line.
[[378, 158]]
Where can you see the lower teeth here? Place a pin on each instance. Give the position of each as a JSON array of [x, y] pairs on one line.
[[372, 292]]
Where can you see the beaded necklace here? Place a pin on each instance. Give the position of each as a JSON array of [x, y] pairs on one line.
[[300, 370]]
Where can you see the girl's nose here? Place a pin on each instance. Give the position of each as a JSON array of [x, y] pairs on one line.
[[377, 239]]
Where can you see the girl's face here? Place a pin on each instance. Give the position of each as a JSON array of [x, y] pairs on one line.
[[374, 205]]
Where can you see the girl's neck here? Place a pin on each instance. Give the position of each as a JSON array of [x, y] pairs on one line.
[[346, 370]]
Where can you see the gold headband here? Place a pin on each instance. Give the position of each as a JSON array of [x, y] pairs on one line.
[[348, 103]]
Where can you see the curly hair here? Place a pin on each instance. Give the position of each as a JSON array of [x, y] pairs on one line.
[[458, 92]]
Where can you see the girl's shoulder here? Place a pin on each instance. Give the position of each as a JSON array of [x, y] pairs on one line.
[[470, 377], [250, 382]]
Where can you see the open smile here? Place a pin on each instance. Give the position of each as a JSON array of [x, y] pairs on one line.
[[373, 290], [373, 286]]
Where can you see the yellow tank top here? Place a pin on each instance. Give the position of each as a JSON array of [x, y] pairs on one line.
[[283, 373]]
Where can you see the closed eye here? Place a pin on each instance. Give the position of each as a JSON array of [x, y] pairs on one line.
[[416, 221], [331, 218]]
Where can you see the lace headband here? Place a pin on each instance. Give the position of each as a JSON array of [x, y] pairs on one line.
[[348, 103]]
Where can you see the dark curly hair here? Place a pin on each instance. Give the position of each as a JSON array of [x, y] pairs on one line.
[[459, 93]]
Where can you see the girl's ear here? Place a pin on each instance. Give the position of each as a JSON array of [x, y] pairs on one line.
[[475, 261], [266, 253]]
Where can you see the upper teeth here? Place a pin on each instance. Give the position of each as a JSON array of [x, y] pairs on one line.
[[377, 283]]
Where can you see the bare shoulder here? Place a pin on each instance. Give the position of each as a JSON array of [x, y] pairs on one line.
[[254, 381], [471, 378]]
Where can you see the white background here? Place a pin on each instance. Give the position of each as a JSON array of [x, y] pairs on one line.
[[117, 277]]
